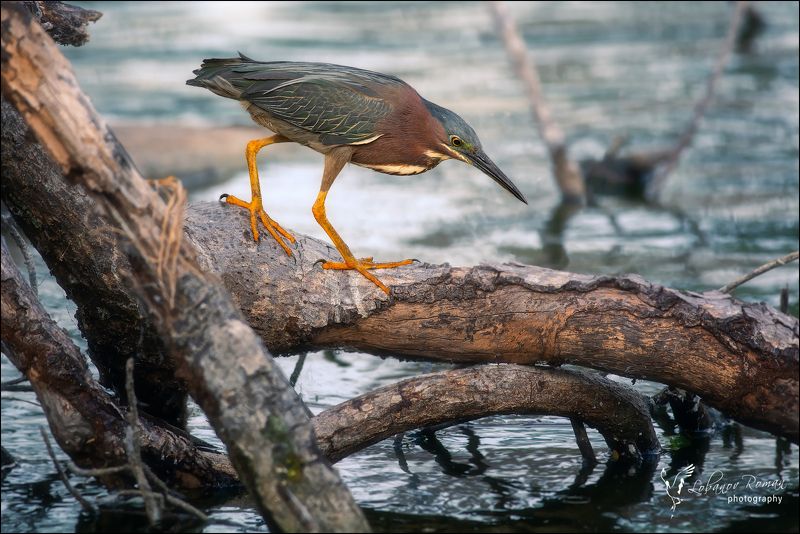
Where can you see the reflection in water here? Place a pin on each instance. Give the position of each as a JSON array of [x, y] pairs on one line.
[[783, 451], [578, 507], [427, 440], [733, 205], [732, 439]]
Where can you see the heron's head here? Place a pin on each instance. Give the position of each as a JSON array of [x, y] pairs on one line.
[[460, 141]]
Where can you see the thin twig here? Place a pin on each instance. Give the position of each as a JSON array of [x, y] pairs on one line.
[[657, 183], [23, 248], [178, 503], [97, 472], [86, 505], [157, 481], [21, 388], [17, 399], [13, 385], [133, 451], [727, 288], [145, 495], [172, 499]]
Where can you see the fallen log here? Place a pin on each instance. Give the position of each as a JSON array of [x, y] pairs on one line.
[[228, 371], [741, 358], [90, 427]]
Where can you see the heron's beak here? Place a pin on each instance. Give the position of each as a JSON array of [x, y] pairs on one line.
[[482, 161]]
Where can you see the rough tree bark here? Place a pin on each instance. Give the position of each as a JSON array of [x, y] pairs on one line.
[[90, 427], [52, 213], [87, 423], [66, 24], [233, 378], [742, 358]]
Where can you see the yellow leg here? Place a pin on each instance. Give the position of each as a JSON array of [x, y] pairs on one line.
[[350, 262], [254, 206]]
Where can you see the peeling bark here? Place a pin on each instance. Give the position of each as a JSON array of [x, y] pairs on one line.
[[65, 23], [741, 358]]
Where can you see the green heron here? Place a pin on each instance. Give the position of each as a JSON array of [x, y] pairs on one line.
[[350, 115]]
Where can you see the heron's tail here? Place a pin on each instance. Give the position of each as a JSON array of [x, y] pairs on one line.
[[221, 76]]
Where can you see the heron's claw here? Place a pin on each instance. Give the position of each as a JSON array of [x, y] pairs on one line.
[[275, 230]]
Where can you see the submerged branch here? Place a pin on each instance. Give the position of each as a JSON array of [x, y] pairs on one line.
[[617, 412]]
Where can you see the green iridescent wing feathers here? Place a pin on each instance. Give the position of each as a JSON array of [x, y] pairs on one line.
[[336, 103]]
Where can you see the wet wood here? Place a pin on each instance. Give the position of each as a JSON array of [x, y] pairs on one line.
[[619, 413], [87, 423], [741, 358], [90, 427], [248, 401]]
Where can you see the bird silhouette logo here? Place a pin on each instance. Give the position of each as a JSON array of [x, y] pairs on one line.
[[674, 488]]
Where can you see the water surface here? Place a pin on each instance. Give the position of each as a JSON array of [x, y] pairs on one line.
[[607, 69]]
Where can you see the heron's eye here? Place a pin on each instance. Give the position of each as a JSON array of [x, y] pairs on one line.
[[456, 141]]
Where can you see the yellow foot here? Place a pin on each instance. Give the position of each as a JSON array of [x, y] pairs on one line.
[[363, 265], [255, 208], [366, 263]]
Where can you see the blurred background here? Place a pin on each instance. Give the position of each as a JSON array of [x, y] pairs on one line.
[[607, 69]]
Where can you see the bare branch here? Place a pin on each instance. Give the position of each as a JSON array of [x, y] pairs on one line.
[[514, 313], [134, 452], [618, 412], [86, 505], [582, 439], [666, 167], [727, 288], [568, 176]]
